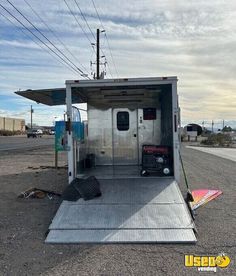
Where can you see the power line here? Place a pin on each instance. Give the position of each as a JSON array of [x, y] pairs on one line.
[[82, 14], [55, 35], [22, 30], [98, 14], [38, 38], [84, 19], [109, 47], [72, 13], [77, 68], [108, 66], [44, 36], [111, 54]]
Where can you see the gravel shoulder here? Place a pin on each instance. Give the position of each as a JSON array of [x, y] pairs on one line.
[[23, 223]]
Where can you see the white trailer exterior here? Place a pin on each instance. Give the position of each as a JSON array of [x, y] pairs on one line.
[[132, 208]]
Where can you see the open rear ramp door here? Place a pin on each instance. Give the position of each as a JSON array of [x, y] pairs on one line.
[[150, 210]]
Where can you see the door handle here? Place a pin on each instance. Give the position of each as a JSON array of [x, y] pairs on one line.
[[135, 135]]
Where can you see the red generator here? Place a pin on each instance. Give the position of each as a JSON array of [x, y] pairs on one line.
[[158, 159]]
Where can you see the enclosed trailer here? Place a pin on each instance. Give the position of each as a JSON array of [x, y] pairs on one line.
[[132, 143]]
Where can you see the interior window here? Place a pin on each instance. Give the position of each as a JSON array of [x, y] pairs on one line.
[[123, 120]]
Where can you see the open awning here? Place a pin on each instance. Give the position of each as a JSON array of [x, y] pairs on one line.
[[116, 96], [103, 93], [53, 96]]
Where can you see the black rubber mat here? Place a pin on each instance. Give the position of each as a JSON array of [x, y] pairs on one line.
[[88, 188], [70, 193]]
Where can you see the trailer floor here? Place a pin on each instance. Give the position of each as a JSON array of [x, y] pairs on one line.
[[134, 210]]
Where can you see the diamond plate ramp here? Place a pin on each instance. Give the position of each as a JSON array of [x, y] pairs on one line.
[[130, 210], [122, 216]]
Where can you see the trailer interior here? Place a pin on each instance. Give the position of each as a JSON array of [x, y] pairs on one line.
[[130, 145], [120, 121]]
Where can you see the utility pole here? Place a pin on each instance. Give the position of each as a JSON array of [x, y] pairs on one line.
[[223, 124], [97, 75], [212, 124], [98, 53], [31, 116]]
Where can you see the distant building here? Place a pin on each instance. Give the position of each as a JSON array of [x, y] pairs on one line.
[[12, 124]]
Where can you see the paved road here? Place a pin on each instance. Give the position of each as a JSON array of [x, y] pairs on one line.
[[22, 142], [221, 152]]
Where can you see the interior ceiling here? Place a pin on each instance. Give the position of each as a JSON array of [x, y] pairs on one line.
[[120, 97]]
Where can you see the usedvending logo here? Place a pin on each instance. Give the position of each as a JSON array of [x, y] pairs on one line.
[[207, 263]]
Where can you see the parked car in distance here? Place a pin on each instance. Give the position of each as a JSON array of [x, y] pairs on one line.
[[34, 133], [51, 132]]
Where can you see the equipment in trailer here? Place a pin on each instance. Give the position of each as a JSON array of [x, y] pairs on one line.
[[156, 158]]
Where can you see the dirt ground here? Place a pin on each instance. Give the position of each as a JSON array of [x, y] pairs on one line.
[[24, 222]]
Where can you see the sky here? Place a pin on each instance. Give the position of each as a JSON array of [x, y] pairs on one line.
[[193, 40]]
